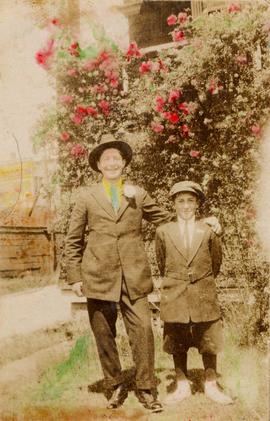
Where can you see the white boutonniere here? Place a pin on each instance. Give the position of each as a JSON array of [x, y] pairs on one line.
[[129, 191]]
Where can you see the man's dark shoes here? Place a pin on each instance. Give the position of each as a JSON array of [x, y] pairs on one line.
[[118, 397], [148, 400]]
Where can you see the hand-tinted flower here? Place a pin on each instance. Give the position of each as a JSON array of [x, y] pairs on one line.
[[66, 99], [81, 110], [184, 108], [241, 59], [55, 22], [104, 55], [78, 150], [159, 103], [174, 95], [173, 118], [256, 130], [233, 8], [133, 51], [64, 136], [194, 154], [182, 17], [74, 49], [185, 130], [91, 111], [145, 67], [105, 107], [90, 65], [42, 56], [157, 127], [72, 72], [178, 36], [77, 118], [114, 83], [171, 20]]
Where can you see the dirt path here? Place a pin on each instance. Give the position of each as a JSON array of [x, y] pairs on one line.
[[27, 311]]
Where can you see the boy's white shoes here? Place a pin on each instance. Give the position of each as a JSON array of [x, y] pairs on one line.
[[181, 392], [213, 392]]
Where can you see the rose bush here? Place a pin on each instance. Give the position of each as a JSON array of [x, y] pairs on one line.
[[198, 110]]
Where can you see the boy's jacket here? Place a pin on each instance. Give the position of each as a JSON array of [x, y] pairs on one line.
[[188, 291]]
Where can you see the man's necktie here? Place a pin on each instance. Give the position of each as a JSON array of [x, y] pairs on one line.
[[114, 197]]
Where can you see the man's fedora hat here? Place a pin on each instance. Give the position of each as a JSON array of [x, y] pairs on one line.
[[108, 141], [187, 186]]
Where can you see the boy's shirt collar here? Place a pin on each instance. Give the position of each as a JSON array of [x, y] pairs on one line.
[[190, 221]]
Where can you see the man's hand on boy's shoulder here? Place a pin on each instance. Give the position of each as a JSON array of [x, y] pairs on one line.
[[213, 222]]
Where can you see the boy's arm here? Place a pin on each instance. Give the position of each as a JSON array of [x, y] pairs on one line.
[[160, 251], [216, 253]]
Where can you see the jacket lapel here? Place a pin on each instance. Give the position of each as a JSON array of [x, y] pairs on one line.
[[196, 240], [100, 196], [123, 207], [177, 239]]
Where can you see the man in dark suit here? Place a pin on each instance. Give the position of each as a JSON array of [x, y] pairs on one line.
[[189, 259], [114, 267]]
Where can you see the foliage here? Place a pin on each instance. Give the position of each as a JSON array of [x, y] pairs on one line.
[[198, 111]]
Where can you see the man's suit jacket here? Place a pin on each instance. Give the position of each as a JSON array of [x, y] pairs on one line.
[[115, 248], [188, 290]]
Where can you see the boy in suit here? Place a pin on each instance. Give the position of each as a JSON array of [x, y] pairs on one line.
[[189, 258]]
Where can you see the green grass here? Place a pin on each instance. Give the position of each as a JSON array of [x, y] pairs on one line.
[[72, 389]]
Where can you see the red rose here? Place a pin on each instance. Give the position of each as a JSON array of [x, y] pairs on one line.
[[174, 95], [55, 22], [172, 117], [194, 154], [256, 129], [78, 150], [184, 108], [105, 107], [104, 55], [157, 127], [185, 130], [64, 136], [182, 17], [232, 8], [160, 103], [42, 56], [133, 51], [91, 111], [171, 20], [114, 83], [178, 36], [81, 110], [90, 65], [74, 49], [145, 67], [77, 119]]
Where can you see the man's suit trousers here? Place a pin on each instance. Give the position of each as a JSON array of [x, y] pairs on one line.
[[137, 319]]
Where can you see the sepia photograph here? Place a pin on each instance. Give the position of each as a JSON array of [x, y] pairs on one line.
[[134, 210]]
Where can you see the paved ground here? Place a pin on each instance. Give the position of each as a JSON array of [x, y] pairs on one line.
[[27, 311]]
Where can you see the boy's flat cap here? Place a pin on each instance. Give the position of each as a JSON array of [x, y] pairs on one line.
[[187, 186]]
